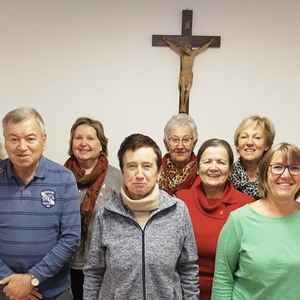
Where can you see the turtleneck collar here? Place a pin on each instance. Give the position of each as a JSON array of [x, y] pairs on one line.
[[149, 203]]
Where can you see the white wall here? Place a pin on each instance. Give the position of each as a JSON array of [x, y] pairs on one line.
[[71, 58]]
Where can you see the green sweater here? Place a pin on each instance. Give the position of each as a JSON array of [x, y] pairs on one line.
[[258, 257]]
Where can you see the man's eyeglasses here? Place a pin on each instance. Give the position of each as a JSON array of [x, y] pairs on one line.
[[279, 169], [174, 141]]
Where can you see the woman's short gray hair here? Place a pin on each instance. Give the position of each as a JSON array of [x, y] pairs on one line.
[[179, 121]]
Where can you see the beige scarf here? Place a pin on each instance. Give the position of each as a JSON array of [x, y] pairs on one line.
[[141, 208]]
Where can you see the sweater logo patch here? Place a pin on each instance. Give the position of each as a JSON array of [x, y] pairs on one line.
[[48, 198]]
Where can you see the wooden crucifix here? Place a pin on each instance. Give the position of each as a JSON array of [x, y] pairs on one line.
[[183, 44]]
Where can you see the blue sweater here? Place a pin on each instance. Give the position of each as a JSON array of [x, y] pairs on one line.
[[39, 224]]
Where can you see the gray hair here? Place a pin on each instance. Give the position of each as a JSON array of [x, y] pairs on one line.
[[179, 121], [19, 114]]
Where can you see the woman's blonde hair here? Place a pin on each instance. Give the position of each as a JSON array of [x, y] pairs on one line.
[[290, 156], [266, 125], [99, 130]]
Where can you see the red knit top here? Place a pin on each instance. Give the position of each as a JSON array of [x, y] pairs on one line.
[[208, 217]]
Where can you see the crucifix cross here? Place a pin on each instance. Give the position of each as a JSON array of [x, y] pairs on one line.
[[184, 44]]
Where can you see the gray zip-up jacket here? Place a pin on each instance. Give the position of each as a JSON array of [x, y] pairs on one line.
[[128, 263]]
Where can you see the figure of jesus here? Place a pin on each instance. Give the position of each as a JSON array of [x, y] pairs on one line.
[[187, 56]]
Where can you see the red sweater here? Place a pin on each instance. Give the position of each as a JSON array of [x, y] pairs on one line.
[[208, 217]]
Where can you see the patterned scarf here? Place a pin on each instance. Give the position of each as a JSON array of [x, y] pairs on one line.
[[241, 182], [94, 181], [171, 180]]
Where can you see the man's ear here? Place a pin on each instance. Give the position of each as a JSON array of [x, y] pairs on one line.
[[44, 138]]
